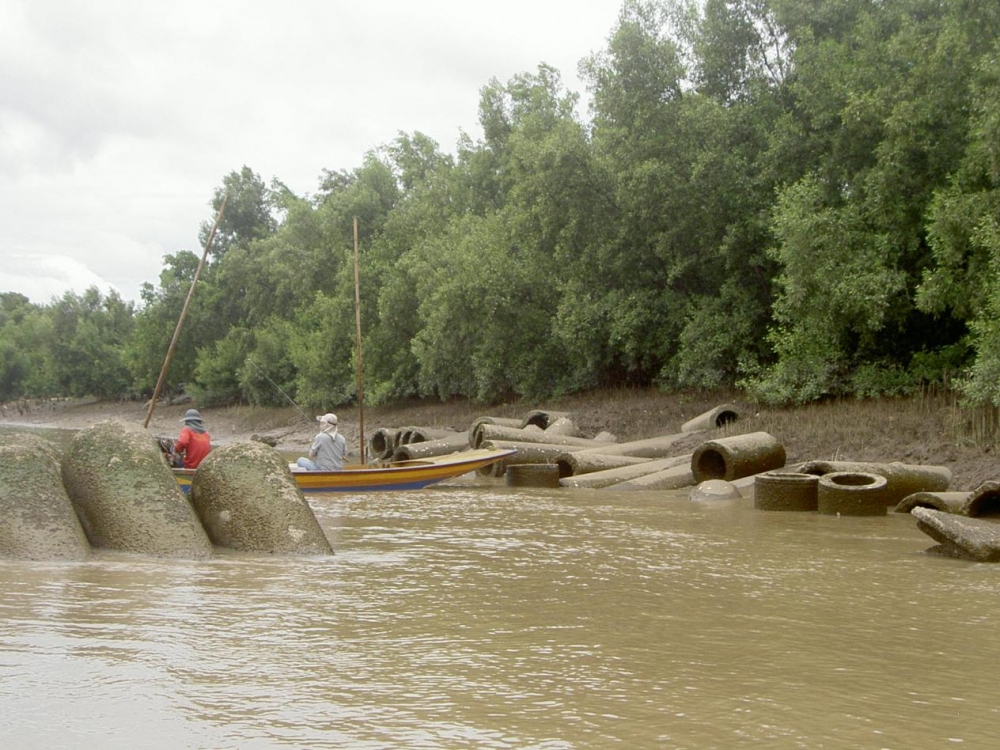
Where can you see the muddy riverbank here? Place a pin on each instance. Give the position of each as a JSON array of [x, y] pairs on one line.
[[920, 430]]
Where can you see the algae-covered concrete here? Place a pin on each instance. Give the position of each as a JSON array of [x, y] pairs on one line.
[[37, 520], [126, 496], [712, 419], [851, 493], [714, 489], [902, 480], [949, 502], [673, 478], [616, 476], [738, 456], [983, 501], [971, 538], [532, 475], [248, 501], [786, 491]]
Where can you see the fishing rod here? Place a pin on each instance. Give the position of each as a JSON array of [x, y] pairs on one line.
[[184, 312], [265, 376]]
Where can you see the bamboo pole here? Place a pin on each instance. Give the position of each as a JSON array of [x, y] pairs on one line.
[[357, 320], [180, 321]]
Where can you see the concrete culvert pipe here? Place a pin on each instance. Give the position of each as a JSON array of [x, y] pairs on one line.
[[738, 456], [429, 448], [383, 442], [655, 447], [585, 462], [542, 417], [983, 501], [850, 493], [532, 475], [411, 435], [958, 536], [712, 419], [903, 479], [948, 502], [476, 426], [564, 426], [492, 432], [618, 475], [786, 490]]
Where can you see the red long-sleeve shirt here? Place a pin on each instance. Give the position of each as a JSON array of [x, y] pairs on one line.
[[194, 445]]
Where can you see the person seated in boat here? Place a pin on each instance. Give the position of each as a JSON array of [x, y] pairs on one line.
[[194, 442], [328, 449]]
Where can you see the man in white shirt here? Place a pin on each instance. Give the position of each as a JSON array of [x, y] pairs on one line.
[[328, 448]]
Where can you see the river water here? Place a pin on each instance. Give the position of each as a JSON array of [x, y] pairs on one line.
[[480, 616]]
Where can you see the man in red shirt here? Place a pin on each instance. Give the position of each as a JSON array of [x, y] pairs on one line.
[[194, 442]]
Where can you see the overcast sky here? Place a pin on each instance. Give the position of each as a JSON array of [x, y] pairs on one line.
[[118, 118]]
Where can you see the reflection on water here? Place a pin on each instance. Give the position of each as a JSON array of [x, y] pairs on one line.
[[510, 618]]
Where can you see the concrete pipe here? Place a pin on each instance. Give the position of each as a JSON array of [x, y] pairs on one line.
[[493, 432], [903, 479], [609, 477], [965, 538], [785, 490], [410, 435], [532, 475], [712, 419], [584, 462], [983, 501], [851, 493], [564, 426], [542, 417], [382, 443], [655, 447], [948, 502], [478, 422], [458, 441], [673, 478], [738, 456]]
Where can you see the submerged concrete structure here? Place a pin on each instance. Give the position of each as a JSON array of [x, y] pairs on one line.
[[960, 536], [126, 496], [37, 519], [248, 501]]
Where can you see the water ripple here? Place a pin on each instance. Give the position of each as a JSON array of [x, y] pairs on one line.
[[495, 618]]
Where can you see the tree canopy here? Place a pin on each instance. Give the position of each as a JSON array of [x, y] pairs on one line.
[[797, 198]]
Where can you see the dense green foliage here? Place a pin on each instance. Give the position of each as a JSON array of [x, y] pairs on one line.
[[800, 198]]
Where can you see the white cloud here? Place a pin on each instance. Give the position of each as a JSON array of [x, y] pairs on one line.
[[119, 119], [43, 277]]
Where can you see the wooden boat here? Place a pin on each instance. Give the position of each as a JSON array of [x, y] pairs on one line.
[[398, 475]]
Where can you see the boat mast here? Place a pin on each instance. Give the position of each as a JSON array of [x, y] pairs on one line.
[[357, 321]]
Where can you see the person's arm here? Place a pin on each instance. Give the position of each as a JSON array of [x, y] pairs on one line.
[[179, 447], [314, 448]]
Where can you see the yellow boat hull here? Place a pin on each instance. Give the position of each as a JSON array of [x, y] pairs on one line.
[[399, 475]]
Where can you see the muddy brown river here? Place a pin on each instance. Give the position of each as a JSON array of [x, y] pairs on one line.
[[480, 616]]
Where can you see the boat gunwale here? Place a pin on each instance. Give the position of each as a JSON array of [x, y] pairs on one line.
[[364, 478]]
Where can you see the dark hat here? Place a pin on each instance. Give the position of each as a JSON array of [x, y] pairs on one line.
[[191, 415]]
